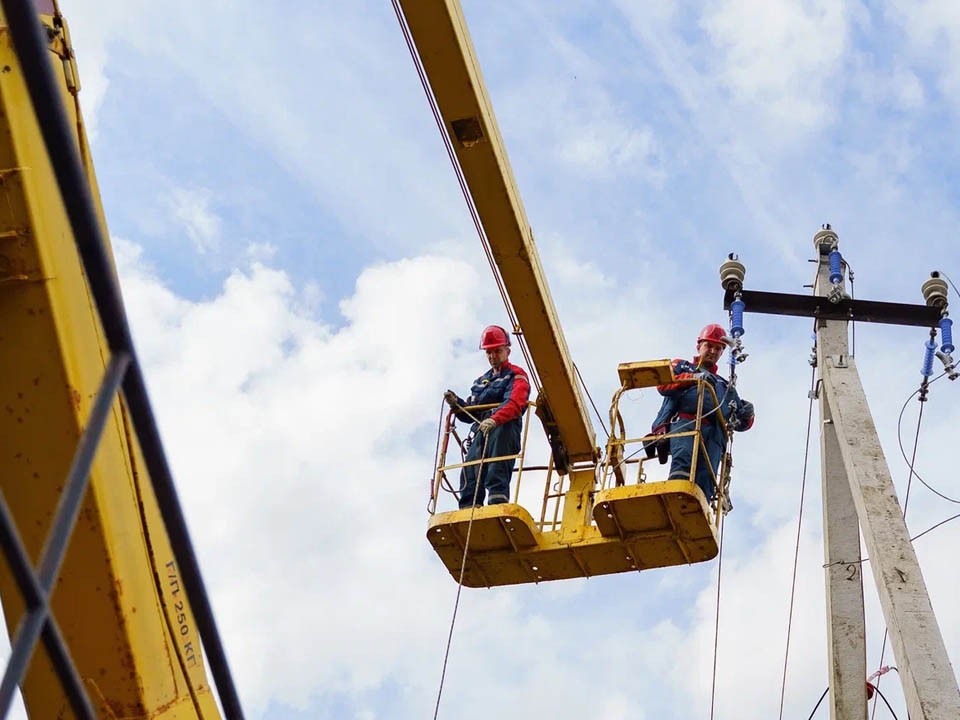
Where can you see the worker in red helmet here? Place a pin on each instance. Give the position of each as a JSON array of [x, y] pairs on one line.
[[495, 431], [678, 413]]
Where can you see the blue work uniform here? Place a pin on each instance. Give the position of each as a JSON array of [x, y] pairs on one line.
[[678, 414], [509, 388]]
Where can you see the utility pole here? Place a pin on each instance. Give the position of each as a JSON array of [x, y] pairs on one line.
[[846, 638], [859, 497]]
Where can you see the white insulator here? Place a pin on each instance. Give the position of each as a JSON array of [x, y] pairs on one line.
[[732, 273], [935, 291], [826, 241]]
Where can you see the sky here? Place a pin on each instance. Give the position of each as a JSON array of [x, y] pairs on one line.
[[304, 282]]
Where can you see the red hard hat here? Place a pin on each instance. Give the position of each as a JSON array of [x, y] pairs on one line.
[[494, 336], [713, 333]]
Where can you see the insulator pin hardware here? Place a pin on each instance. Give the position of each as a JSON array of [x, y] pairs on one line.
[[949, 367], [737, 355], [825, 240], [732, 273], [836, 293], [935, 291]]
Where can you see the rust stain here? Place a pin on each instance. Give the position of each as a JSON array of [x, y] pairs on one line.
[[75, 397]]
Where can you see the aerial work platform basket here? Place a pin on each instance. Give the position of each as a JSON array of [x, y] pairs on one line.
[[592, 521]]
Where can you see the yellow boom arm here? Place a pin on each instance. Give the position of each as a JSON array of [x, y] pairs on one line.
[[118, 600], [443, 44]]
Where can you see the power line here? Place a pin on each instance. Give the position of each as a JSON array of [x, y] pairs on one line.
[[796, 552], [903, 452]]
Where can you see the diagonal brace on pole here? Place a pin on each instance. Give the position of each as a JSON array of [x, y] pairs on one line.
[[929, 684]]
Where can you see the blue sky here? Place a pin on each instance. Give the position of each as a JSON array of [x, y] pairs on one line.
[[304, 282]]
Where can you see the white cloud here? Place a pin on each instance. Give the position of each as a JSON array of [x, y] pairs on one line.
[[606, 147], [301, 453], [780, 58], [191, 208], [932, 32], [305, 451]]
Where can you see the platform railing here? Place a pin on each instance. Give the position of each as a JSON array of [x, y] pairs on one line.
[[617, 459], [443, 464]]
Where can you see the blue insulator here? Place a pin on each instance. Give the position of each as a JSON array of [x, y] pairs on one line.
[[931, 347], [946, 333], [736, 317], [835, 275]]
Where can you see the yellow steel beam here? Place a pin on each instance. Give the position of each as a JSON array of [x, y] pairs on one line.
[[446, 52], [118, 599]]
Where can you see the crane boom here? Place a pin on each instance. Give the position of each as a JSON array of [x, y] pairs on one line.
[[444, 48], [119, 597]]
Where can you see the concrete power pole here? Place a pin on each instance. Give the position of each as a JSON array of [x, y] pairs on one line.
[[846, 638], [859, 498]]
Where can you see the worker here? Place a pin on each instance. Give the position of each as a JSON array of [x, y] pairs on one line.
[[678, 413], [495, 431]]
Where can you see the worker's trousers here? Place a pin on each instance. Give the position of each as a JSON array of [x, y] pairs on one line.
[[681, 455], [494, 476]]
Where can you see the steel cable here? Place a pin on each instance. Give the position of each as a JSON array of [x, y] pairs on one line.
[[906, 501], [463, 568], [590, 398], [716, 626], [471, 207], [796, 551]]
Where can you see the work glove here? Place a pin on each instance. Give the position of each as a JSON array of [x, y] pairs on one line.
[[743, 416], [705, 376], [650, 446], [452, 399], [487, 425]]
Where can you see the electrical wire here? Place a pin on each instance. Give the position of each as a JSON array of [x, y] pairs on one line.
[[716, 627], [467, 196], [796, 551], [942, 522], [590, 398], [853, 323], [463, 568], [903, 452], [882, 697], [814, 711], [949, 281], [915, 537], [824, 695], [906, 501]]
